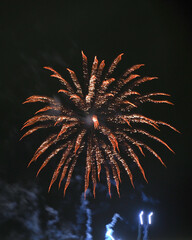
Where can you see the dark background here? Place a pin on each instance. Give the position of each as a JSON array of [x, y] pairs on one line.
[[37, 34]]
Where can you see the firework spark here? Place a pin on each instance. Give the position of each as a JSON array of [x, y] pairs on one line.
[[99, 118]]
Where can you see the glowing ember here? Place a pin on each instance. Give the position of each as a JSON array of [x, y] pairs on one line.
[[95, 121]]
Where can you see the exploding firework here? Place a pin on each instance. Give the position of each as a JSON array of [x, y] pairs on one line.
[[98, 118]]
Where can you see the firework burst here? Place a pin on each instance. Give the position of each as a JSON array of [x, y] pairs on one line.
[[99, 118]]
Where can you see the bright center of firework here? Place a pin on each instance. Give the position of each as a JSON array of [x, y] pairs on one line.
[[88, 120], [95, 121], [92, 120]]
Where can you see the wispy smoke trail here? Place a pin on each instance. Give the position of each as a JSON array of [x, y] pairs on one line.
[[25, 214], [19, 210], [110, 226], [149, 199], [142, 231], [55, 228], [139, 232], [84, 215], [88, 225], [145, 232]]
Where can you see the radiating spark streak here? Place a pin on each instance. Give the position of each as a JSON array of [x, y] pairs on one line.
[[61, 163], [64, 118], [128, 93], [115, 178], [54, 153], [45, 109], [125, 81], [155, 94], [112, 160], [98, 157], [94, 67], [88, 166], [132, 69], [154, 153], [130, 103], [137, 118], [34, 129], [146, 98], [64, 128], [108, 179], [65, 91], [153, 137], [76, 99], [65, 168], [109, 94], [160, 101], [136, 160], [75, 81], [131, 77], [40, 118], [71, 169], [94, 176], [168, 125], [100, 71], [37, 98], [100, 118], [79, 139], [93, 167], [110, 136], [75, 96], [106, 83], [85, 66], [62, 80], [126, 121], [142, 80], [43, 147], [120, 159], [114, 166], [91, 91], [113, 65]]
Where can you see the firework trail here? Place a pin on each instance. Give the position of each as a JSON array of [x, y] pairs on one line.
[[145, 232], [139, 232], [140, 226], [84, 215], [110, 226], [143, 226], [88, 225], [146, 227], [98, 119]]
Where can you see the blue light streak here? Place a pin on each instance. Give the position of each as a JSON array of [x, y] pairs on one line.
[[149, 218], [141, 217]]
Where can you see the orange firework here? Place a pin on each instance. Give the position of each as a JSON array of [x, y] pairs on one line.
[[99, 119]]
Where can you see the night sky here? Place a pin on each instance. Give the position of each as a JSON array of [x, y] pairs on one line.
[[37, 34]]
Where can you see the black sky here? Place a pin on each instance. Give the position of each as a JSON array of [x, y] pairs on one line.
[[157, 33]]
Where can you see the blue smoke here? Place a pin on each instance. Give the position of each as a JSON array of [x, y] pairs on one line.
[[84, 215], [25, 214]]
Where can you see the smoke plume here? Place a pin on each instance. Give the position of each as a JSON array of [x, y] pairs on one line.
[[25, 214]]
